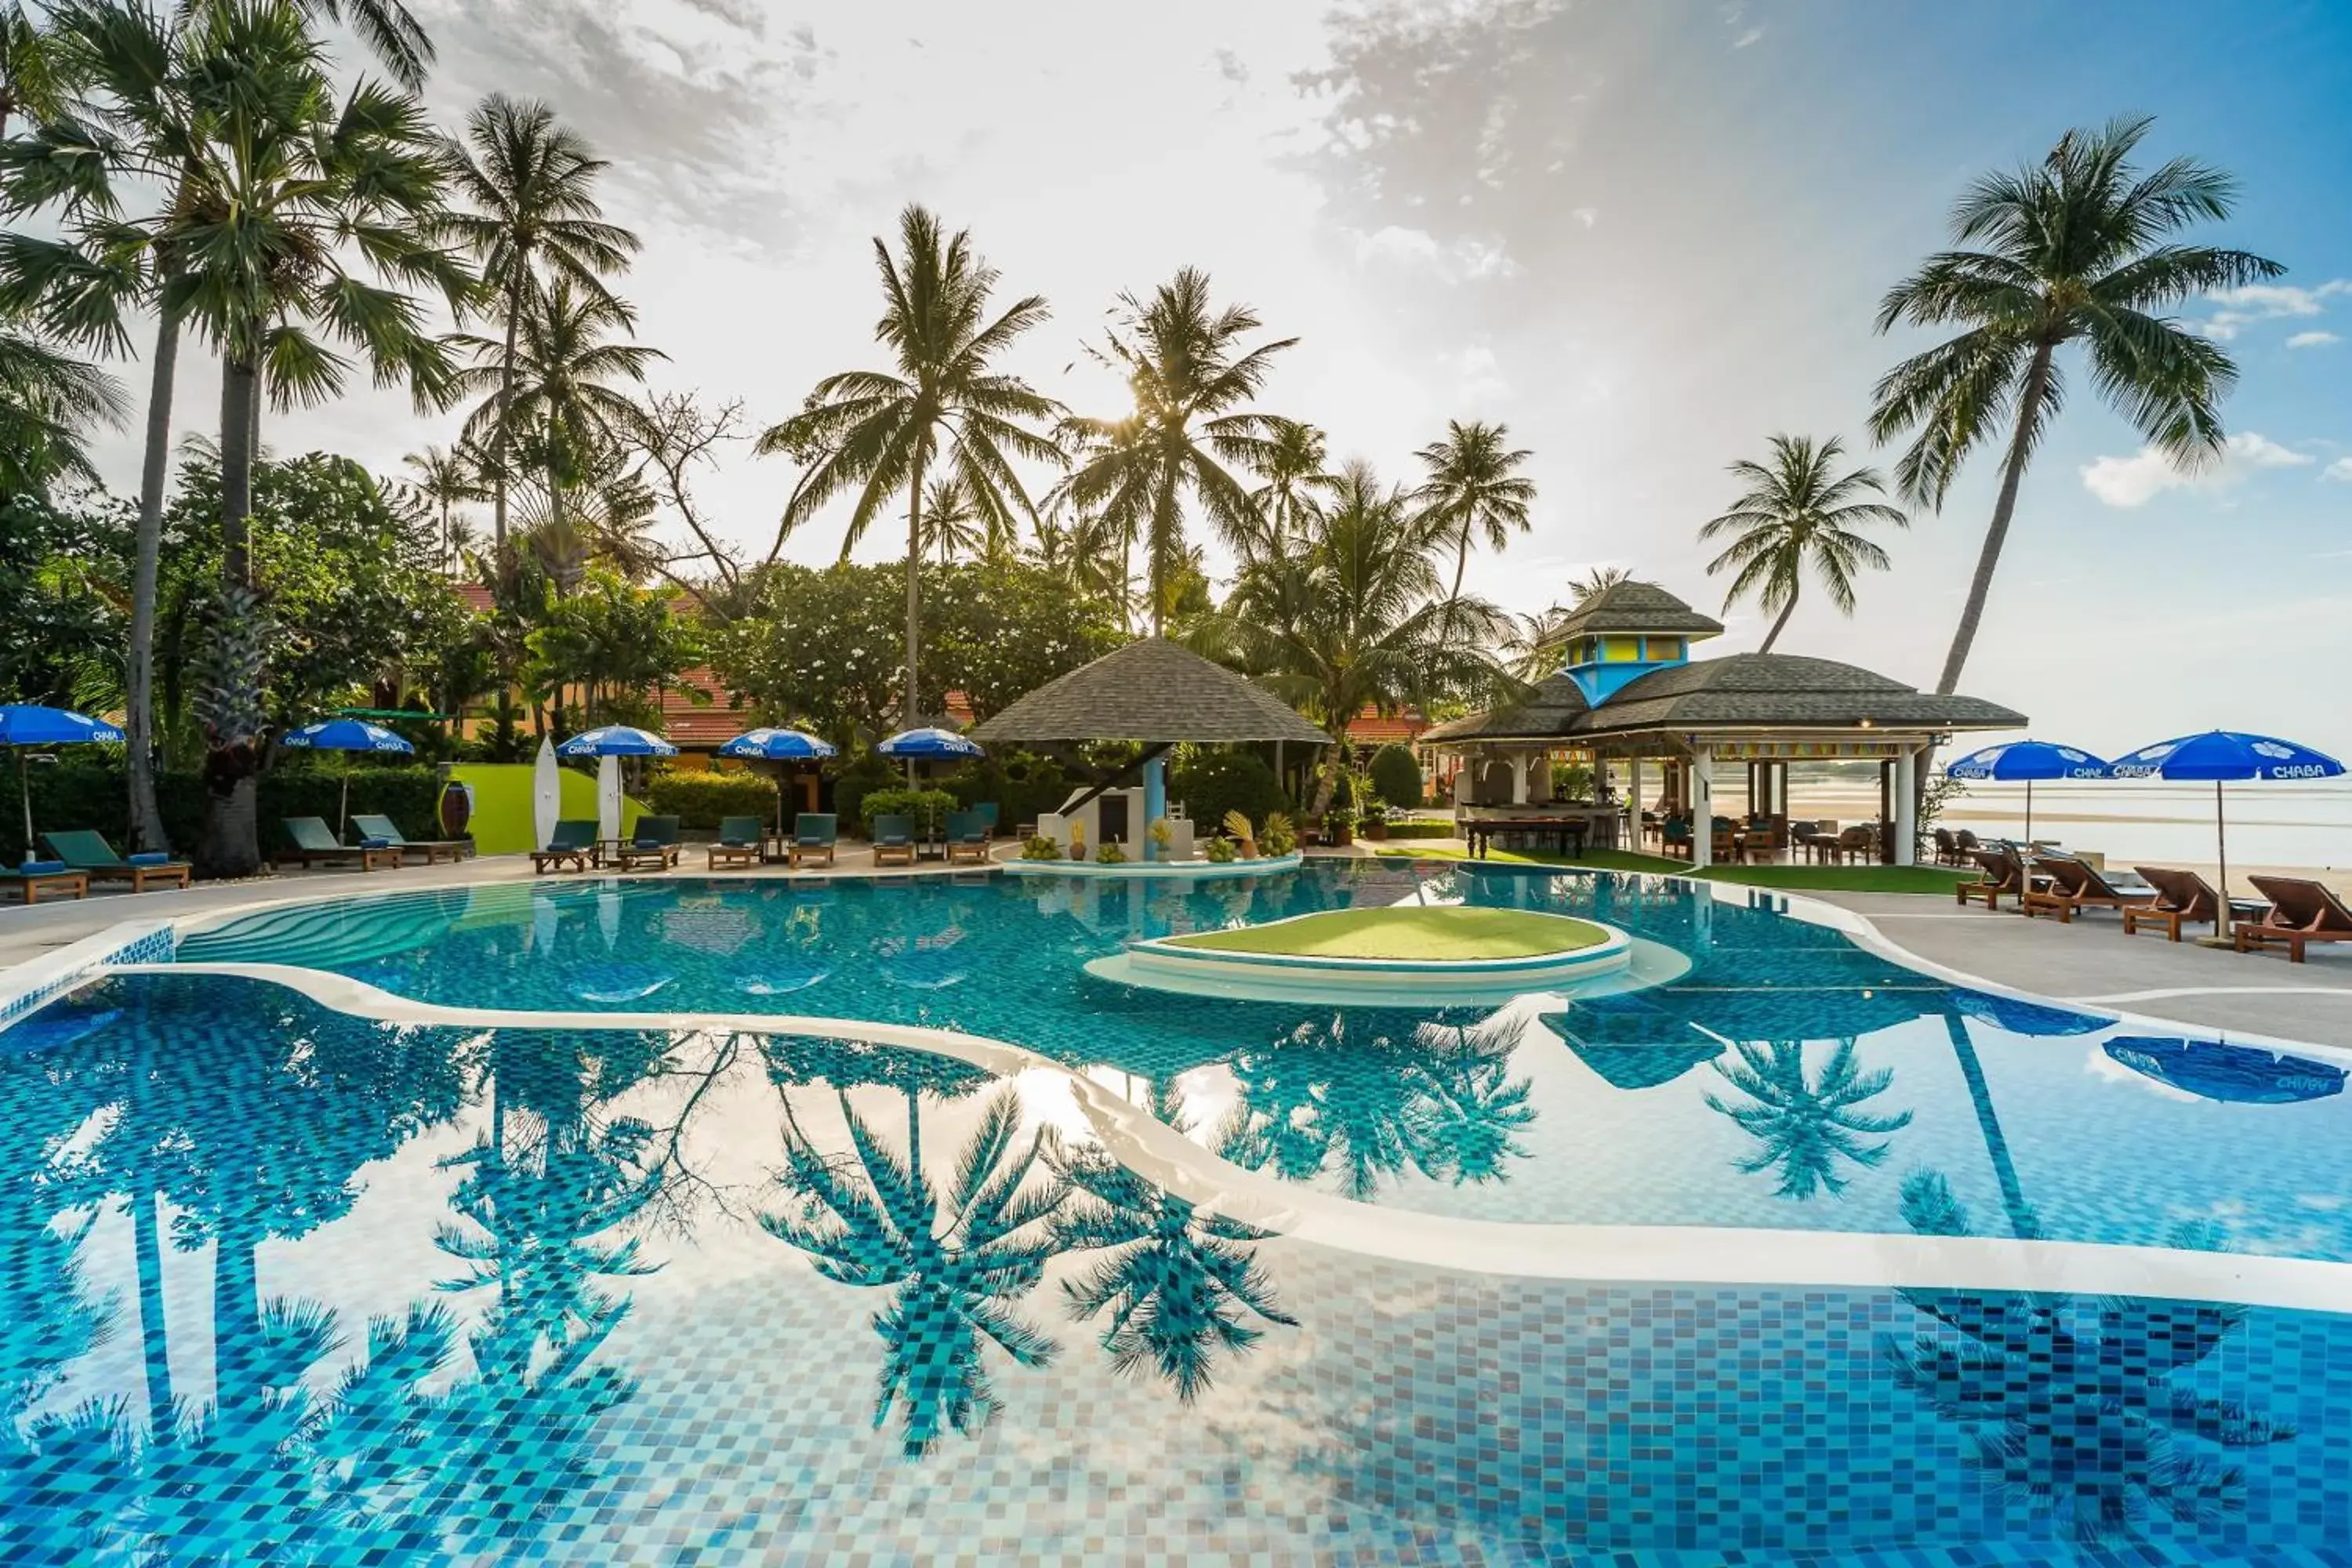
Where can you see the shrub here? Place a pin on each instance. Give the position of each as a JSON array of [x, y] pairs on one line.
[[700, 799], [88, 787], [1221, 850], [926, 808], [1037, 847], [1211, 783], [1110, 854], [1024, 785], [859, 778], [1396, 775], [1420, 829], [1278, 836]]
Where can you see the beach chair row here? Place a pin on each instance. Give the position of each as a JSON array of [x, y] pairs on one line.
[[2299, 912]]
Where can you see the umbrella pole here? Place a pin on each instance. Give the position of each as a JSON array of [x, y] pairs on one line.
[[2221, 845], [2029, 814], [24, 792], [344, 811]]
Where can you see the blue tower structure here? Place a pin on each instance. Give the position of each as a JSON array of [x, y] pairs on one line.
[[1626, 631]]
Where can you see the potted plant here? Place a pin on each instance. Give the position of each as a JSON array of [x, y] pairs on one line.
[[1161, 836], [1239, 826], [1375, 824], [1078, 839], [1340, 827]]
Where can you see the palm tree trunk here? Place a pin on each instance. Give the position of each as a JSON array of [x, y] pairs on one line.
[[506, 398], [147, 1246], [1460, 561], [2020, 447], [232, 845], [914, 579], [1779, 621], [238, 383], [146, 815]]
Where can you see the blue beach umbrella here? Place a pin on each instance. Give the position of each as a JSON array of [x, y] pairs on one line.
[[774, 745], [930, 744], [2027, 762], [2222, 756], [615, 741], [345, 735], [25, 724]]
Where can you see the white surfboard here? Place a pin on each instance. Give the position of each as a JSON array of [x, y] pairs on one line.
[[608, 797], [546, 794]]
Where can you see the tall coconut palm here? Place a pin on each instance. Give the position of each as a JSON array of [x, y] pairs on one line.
[[1797, 511], [557, 402], [952, 525], [531, 184], [2078, 247], [1294, 461], [445, 478], [34, 81], [877, 433], [307, 227], [1473, 489], [1353, 616], [1192, 380]]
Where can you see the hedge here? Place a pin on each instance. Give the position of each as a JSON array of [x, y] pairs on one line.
[[1419, 829], [698, 800], [88, 789], [1396, 775], [929, 809], [1211, 783]]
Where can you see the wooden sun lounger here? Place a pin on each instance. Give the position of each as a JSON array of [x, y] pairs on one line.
[[742, 841], [91, 853], [2075, 885], [894, 840], [374, 824], [573, 841], [32, 887], [312, 843], [2004, 874], [2302, 912], [2182, 898], [655, 844], [814, 834]]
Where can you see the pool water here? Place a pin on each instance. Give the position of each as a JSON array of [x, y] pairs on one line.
[[278, 1284]]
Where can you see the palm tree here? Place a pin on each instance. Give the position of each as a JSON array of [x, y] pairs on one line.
[[288, 190], [952, 525], [1191, 378], [1176, 1281], [553, 405], [33, 80], [2078, 246], [1805, 1126], [445, 478], [1472, 489], [531, 185], [954, 1260], [1352, 615], [1294, 461], [50, 402], [1799, 511], [877, 432]]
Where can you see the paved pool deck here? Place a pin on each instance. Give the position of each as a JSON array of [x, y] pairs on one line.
[[2089, 961]]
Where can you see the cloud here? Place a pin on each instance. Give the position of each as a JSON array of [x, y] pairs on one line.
[[2341, 469], [2137, 479], [1464, 258], [1230, 66], [1753, 35], [2253, 302], [2314, 340]]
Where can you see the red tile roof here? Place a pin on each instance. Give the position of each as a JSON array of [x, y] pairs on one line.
[[697, 726], [1370, 727]]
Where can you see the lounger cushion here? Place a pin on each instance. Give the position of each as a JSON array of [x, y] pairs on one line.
[[150, 858], [42, 867], [376, 843]]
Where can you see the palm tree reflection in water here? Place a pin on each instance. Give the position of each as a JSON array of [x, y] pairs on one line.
[[1804, 1126], [2072, 1406], [1371, 1095], [1175, 1281]]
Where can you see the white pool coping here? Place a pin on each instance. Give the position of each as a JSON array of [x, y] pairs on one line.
[[1155, 871]]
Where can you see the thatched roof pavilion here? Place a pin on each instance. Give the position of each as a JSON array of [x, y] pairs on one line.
[[1151, 690]]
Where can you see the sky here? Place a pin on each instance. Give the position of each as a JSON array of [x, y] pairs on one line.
[[1646, 238]]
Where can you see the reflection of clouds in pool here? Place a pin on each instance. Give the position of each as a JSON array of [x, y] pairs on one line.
[[783, 978], [617, 981]]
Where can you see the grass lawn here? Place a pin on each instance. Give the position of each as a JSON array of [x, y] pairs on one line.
[[1794, 878], [1445, 934]]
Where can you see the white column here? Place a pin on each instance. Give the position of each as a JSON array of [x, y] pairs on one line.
[[1702, 804], [1518, 778], [1633, 804], [1906, 812]]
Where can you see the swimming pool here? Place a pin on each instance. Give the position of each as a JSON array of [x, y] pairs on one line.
[[286, 1283]]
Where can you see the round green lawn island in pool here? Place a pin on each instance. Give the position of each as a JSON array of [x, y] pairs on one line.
[[1427, 951]]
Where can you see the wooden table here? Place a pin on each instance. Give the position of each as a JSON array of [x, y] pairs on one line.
[[1479, 832]]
